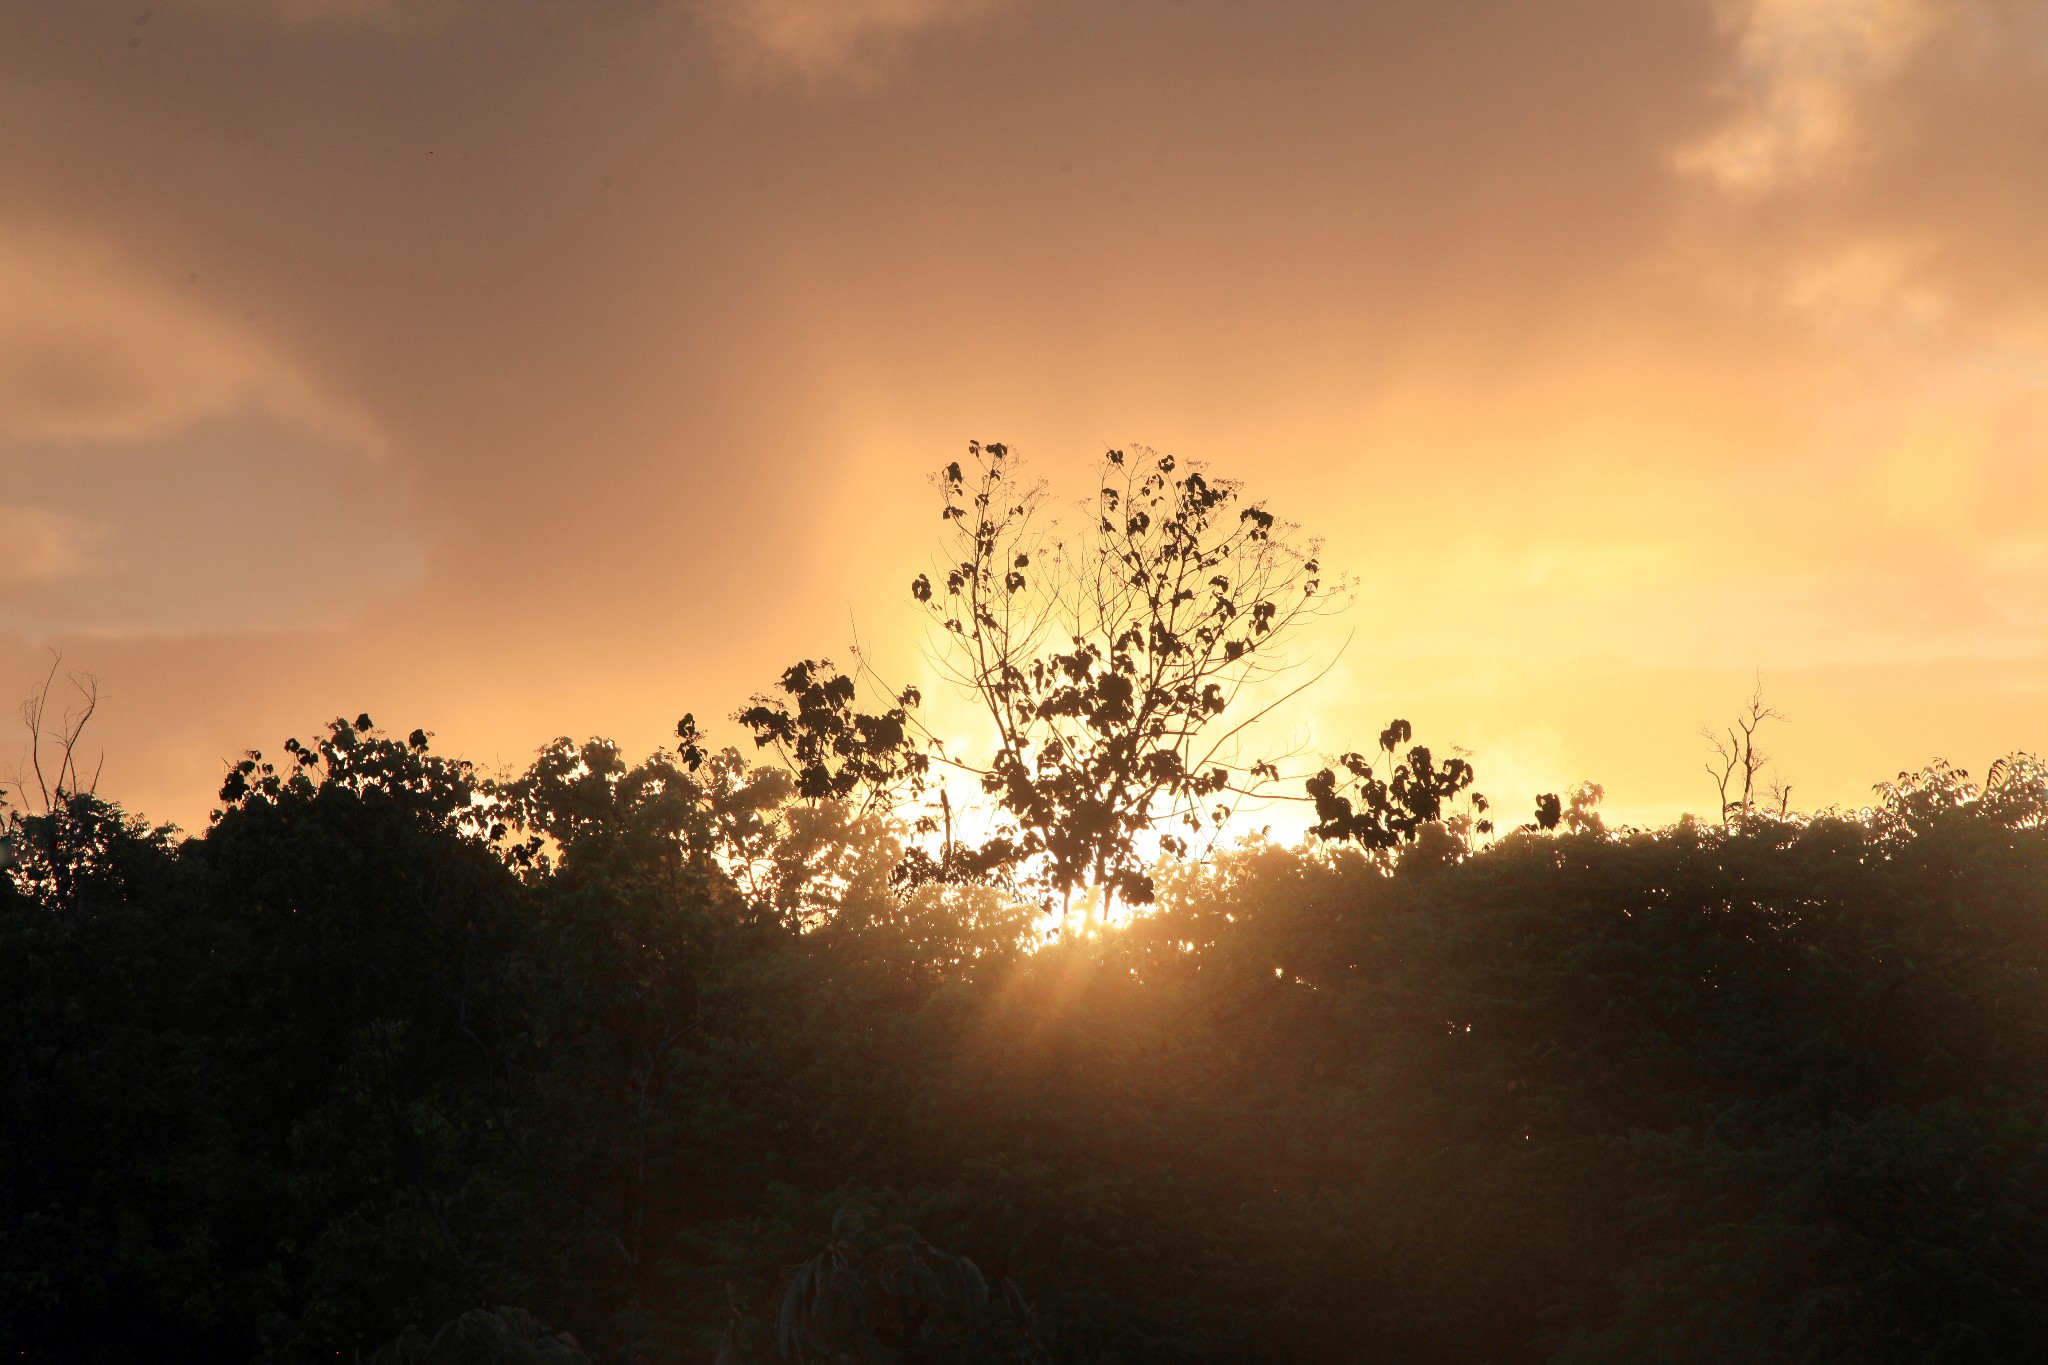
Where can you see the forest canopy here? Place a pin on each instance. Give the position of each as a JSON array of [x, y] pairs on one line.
[[741, 1054]]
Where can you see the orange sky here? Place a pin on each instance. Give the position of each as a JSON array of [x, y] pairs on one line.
[[516, 369]]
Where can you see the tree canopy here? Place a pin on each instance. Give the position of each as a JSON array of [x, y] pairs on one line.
[[1120, 666], [355, 1068]]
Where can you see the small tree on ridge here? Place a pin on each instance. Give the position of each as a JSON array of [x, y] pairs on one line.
[[1118, 665]]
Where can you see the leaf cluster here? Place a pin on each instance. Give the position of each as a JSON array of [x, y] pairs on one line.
[[1385, 813]]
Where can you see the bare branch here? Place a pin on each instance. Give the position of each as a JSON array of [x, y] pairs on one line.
[[1739, 761]]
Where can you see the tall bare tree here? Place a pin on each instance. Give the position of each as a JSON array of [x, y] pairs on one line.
[[1739, 761], [50, 769]]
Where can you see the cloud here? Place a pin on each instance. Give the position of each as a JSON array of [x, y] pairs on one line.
[[824, 39], [389, 15], [38, 546], [1919, 332], [236, 524], [1802, 67], [164, 460], [94, 347], [1866, 284]]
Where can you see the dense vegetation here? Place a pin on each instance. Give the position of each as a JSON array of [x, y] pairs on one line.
[[634, 1048], [697, 1060]]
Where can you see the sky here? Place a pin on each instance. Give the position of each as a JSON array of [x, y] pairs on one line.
[[516, 369]]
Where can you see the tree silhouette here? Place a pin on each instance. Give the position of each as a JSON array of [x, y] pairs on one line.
[[1383, 813], [887, 1294], [50, 760], [1117, 665], [834, 751], [350, 1058], [1738, 761]]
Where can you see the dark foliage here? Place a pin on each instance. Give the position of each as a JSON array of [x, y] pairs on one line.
[[482, 1336], [1385, 813], [390, 1046]]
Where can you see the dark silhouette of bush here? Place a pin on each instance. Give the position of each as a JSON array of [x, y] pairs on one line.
[[483, 1336], [361, 1055]]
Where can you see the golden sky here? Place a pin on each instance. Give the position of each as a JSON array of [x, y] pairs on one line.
[[514, 368]]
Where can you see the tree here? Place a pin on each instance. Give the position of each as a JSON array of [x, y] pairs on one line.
[[1582, 815], [1738, 762], [856, 768], [1384, 813], [886, 1294], [377, 961], [57, 774], [835, 751], [1119, 665], [1119, 668]]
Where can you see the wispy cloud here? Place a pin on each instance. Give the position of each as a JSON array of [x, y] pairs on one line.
[[1803, 65], [38, 545], [157, 444], [389, 15], [97, 347], [818, 40]]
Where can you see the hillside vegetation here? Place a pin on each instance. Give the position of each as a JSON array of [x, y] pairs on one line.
[[638, 1049]]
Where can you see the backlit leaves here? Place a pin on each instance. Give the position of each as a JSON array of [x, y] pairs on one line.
[[834, 750], [1109, 673], [1380, 813]]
